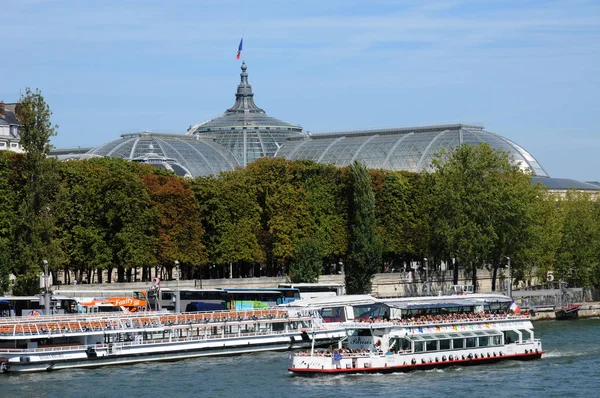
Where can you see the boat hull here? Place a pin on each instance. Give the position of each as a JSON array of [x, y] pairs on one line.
[[417, 366], [171, 351]]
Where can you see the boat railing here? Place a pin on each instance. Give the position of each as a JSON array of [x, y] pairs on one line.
[[61, 326], [453, 321], [164, 340]]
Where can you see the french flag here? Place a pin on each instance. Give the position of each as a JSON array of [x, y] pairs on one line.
[[240, 49], [514, 307]]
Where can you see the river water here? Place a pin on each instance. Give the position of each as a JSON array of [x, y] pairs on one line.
[[571, 368]]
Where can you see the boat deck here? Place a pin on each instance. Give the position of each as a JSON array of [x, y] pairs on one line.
[[32, 326]]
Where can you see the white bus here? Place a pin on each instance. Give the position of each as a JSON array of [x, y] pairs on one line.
[[310, 290]]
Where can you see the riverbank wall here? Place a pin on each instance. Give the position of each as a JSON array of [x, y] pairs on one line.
[[587, 310]]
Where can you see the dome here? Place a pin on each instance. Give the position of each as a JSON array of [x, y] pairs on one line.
[[410, 149], [245, 129], [183, 154]]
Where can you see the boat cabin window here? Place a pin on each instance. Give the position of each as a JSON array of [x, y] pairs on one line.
[[431, 346], [470, 342], [496, 340], [371, 311], [444, 344], [458, 343], [510, 336], [333, 314], [419, 346], [526, 335], [484, 342]]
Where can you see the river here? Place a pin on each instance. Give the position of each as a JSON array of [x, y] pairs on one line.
[[571, 368]]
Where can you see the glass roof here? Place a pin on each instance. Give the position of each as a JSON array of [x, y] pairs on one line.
[[245, 129], [409, 149], [185, 155]]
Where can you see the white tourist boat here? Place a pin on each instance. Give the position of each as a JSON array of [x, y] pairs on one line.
[[401, 335], [40, 343]]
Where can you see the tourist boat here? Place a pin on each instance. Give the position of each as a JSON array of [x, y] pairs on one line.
[[568, 312], [39, 343], [401, 335]]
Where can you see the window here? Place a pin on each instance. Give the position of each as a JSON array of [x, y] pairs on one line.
[[496, 340], [14, 145], [432, 346], [2, 144], [419, 346], [444, 344], [470, 342], [484, 342], [458, 343]]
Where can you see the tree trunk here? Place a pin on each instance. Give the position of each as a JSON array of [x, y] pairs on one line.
[[494, 275], [474, 280], [455, 273]]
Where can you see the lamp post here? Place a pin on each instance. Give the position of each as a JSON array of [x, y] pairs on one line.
[[177, 301], [425, 263], [46, 298], [509, 278]]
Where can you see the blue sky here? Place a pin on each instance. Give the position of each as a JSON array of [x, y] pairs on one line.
[[528, 70]]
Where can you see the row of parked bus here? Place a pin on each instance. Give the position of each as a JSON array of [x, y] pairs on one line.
[[70, 301]]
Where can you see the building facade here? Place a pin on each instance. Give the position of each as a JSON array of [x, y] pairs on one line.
[[9, 128]]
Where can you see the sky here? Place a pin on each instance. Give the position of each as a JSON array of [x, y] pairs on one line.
[[527, 70]]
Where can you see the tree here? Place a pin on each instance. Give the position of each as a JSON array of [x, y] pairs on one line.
[[364, 257], [480, 206], [34, 231], [325, 188], [180, 229], [307, 266], [402, 215], [538, 250], [128, 220], [285, 218], [577, 259], [7, 220]]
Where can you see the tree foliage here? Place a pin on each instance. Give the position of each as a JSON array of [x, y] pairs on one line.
[[307, 265], [481, 206], [34, 229], [364, 256]]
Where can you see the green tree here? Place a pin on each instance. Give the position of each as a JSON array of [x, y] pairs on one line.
[[577, 259], [34, 230], [480, 203], [79, 222], [364, 257], [285, 218], [325, 188], [402, 215], [7, 219], [128, 220], [538, 250], [231, 217], [307, 265]]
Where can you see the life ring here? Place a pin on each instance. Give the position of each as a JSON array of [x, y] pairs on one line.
[[34, 313]]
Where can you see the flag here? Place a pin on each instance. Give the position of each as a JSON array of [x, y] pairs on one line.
[[337, 356], [514, 307], [240, 49]]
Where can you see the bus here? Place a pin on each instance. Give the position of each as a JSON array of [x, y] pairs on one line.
[[289, 294], [130, 300], [11, 306], [191, 300], [310, 290], [251, 299], [205, 299]]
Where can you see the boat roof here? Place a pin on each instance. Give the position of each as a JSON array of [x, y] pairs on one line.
[[351, 299], [404, 302]]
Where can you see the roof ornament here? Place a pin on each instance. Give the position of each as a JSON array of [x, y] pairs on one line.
[[244, 98]]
